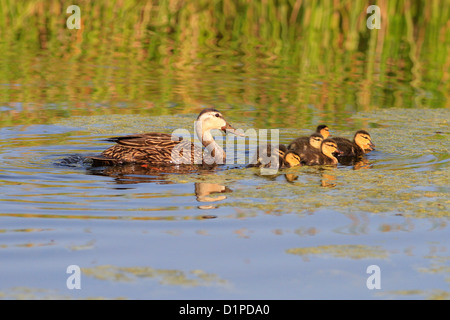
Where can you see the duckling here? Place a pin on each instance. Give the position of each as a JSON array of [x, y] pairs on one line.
[[323, 157], [265, 159], [303, 144], [323, 130], [292, 159], [361, 144], [162, 149], [282, 157]]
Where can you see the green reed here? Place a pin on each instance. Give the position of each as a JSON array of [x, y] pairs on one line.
[[151, 53]]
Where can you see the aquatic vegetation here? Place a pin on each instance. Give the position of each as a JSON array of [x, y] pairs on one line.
[[342, 251], [285, 64], [164, 276]]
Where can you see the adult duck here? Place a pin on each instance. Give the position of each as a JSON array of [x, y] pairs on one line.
[[162, 149]]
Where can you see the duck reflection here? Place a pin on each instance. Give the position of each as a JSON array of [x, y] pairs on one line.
[[357, 163], [203, 192], [133, 173]]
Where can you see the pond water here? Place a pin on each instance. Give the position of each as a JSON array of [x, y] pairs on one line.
[[230, 232]]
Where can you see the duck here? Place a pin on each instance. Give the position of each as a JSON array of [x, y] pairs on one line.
[[324, 156], [361, 144], [281, 158], [323, 130], [162, 149], [305, 142]]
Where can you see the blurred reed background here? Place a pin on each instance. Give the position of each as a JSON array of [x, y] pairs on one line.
[[283, 60]]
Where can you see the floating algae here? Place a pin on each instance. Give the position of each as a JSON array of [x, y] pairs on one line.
[[165, 276], [342, 251], [407, 174]]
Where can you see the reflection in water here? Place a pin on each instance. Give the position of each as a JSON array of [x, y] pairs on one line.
[[204, 190], [357, 163], [135, 173], [328, 179]]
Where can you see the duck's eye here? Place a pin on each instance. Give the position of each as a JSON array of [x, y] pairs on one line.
[[217, 115]]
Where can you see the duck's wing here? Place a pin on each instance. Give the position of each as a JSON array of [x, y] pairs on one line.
[[299, 144], [147, 140], [155, 148], [310, 157], [347, 147], [265, 158]]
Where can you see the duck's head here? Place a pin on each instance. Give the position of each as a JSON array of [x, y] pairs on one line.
[[315, 140], [329, 148], [210, 119], [292, 159], [363, 140], [323, 130]]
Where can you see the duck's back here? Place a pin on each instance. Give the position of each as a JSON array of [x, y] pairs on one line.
[[300, 144], [347, 147], [154, 148], [265, 158], [315, 158]]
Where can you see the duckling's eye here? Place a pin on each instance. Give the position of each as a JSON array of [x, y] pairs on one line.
[[217, 115]]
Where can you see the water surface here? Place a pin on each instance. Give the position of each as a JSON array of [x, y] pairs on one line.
[[228, 233]]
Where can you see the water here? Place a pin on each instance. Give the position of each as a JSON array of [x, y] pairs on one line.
[[227, 233], [230, 233]]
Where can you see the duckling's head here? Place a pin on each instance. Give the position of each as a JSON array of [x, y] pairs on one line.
[[315, 140], [363, 140], [329, 148], [291, 159], [210, 119], [323, 130]]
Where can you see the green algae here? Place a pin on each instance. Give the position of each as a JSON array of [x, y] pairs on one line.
[[342, 251], [408, 174], [174, 277]]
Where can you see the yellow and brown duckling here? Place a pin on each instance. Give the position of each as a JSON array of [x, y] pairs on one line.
[[162, 149], [302, 143], [281, 157], [323, 130], [361, 144], [324, 156]]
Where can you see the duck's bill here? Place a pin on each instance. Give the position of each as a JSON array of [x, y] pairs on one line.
[[371, 146], [228, 128]]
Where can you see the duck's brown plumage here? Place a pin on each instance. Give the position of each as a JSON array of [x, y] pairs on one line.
[[155, 148], [265, 159], [351, 148], [162, 149], [303, 144], [323, 156]]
